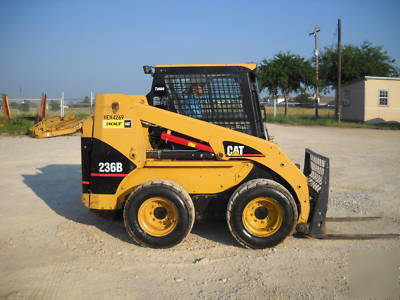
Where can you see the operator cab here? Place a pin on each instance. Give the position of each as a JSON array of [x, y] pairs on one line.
[[225, 95]]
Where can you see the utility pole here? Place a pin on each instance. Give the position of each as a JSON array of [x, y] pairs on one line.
[[62, 107], [91, 102], [338, 110], [317, 29]]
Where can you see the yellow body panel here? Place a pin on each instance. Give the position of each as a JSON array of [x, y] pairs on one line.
[[251, 66], [195, 176], [86, 199], [87, 128], [102, 201], [195, 180]]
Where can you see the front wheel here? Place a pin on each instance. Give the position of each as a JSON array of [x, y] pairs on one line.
[[158, 214], [261, 213]]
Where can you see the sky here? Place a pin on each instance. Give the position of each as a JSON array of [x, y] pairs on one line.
[[96, 45]]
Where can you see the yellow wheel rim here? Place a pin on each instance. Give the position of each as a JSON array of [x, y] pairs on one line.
[[262, 217], [158, 216]]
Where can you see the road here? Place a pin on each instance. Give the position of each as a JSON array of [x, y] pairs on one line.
[[53, 247]]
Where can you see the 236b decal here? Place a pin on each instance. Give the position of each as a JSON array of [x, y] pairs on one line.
[[110, 167]]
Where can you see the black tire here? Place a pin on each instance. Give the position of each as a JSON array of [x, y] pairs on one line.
[[237, 211], [178, 200]]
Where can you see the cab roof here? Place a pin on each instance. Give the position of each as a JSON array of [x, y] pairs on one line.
[[251, 66]]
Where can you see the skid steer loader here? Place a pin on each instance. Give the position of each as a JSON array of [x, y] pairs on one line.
[[194, 146]]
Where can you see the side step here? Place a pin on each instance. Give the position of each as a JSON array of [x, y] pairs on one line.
[[316, 168]]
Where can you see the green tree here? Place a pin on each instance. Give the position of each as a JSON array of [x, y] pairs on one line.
[[14, 104], [86, 100], [285, 73], [305, 99], [357, 62], [24, 106]]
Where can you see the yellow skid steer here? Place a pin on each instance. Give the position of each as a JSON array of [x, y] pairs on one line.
[[196, 145]]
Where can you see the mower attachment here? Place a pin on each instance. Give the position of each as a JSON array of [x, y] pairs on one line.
[[316, 168]]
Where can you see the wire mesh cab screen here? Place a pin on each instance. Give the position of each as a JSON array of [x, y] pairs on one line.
[[208, 94]]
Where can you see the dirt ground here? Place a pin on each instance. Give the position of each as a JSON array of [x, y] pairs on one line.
[[53, 247]]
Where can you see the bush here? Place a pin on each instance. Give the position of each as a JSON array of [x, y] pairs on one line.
[[16, 126], [14, 104], [54, 105], [304, 99], [24, 106]]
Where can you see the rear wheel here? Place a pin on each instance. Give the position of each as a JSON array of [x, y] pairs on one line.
[[261, 213], [158, 214]]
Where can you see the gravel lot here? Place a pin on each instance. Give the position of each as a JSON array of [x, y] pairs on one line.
[[53, 247]]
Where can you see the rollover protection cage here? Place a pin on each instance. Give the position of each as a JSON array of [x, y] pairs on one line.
[[223, 95]]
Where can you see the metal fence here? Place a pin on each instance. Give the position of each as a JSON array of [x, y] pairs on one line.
[[55, 106], [83, 106], [297, 109]]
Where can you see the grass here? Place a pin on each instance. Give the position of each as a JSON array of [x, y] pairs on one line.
[[310, 121], [305, 117], [301, 111], [17, 125], [81, 115]]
